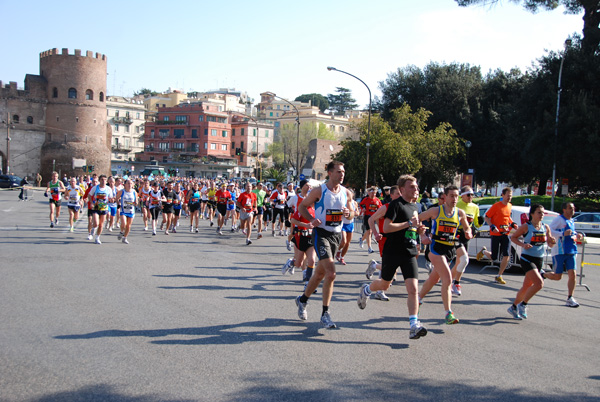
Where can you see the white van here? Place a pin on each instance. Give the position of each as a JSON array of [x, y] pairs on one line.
[[520, 215]]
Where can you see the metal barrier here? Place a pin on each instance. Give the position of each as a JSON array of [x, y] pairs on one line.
[[583, 263]]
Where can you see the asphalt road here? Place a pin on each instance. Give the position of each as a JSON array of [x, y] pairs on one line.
[[192, 317]]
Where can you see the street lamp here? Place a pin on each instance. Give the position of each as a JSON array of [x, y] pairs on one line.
[[368, 125], [562, 61], [297, 132], [468, 146]]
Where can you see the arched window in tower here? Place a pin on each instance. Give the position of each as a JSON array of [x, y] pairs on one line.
[[29, 119], [15, 118], [89, 95], [101, 96], [55, 92], [72, 93]]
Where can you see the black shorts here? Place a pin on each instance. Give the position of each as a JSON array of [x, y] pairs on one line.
[[529, 262], [390, 263], [100, 212], [75, 208], [167, 209], [500, 246], [366, 223], [462, 240], [444, 250], [302, 243], [277, 212], [326, 243], [177, 211], [194, 206], [267, 215], [259, 210], [90, 212], [222, 208], [212, 205], [154, 213]]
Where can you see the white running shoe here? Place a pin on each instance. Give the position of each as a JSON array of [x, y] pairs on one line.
[[125, 240], [571, 302], [98, 240], [371, 269], [90, 237], [379, 295]]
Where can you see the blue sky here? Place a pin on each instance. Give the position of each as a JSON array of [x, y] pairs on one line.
[[283, 47]]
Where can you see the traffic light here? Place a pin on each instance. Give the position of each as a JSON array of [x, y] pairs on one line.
[[90, 168], [84, 167], [238, 151]]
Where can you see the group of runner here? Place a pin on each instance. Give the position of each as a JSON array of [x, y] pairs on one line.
[[319, 225]]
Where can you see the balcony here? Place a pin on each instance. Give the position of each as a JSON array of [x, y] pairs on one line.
[[122, 120], [172, 123], [120, 148]]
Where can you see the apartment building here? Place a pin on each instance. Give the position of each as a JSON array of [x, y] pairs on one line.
[[126, 118]]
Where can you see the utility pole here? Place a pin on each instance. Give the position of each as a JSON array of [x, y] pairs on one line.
[[7, 142]]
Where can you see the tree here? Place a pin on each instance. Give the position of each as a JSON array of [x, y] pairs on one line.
[[591, 16], [146, 92], [400, 145], [317, 100], [342, 101], [284, 149]]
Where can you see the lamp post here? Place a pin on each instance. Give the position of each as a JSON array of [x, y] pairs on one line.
[[468, 146], [369, 121], [562, 61], [7, 142], [297, 131]]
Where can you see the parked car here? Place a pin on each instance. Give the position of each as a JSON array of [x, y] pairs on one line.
[[520, 215], [10, 181], [587, 223]]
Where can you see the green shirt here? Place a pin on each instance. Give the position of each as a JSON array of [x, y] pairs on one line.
[[260, 197]]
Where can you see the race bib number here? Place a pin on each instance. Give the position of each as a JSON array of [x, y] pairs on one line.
[[128, 207], [333, 217], [101, 202], [538, 239], [446, 230]]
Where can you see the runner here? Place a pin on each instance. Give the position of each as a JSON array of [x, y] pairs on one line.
[[127, 199], [247, 204], [112, 206], [445, 222], [178, 202], [167, 199], [144, 196], [532, 237], [212, 201], [194, 197], [231, 214], [462, 257], [369, 205], [54, 190], [288, 210], [347, 230], [267, 208], [278, 198], [331, 202], [401, 227], [223, 199], [203, 186], [155, 198], [101, 195], [73, 195], [90, 206], [260, 198]]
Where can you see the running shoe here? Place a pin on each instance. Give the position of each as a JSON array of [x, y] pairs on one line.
[[110, 229], [273, 233], [288, 244], [211, 224], [451, 319], [500, 280], [197, 230], [420, 301], [98, 240], [125, 240], [417, 331], [145, 228], [232, 229], [370, 250], [162, 225], [220, 233], [571, 302], [428, 266], [56, 221], [522, 309], [167, 232], [342, 261], [281, 233], [292, 269], [326, 321], [371, 269], [154, 233], [72, 229], [514, 312], [306, 284], [338, 256], [174, 230], [379, 295], [90, 237], [361, 243], [301, 309], [248, 242], [456, 289], [120, 236], [286, 266], [191, 229], [259, 236], [362, 297], [51, 224], [481, 254]]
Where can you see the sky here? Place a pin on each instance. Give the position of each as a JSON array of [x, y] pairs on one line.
[[282, 47]]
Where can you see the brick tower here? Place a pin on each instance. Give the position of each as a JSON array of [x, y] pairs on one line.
[[76, 121]]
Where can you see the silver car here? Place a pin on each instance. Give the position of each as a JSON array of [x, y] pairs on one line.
[[587, 223]]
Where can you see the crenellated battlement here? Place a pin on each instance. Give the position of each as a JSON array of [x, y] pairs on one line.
[[77, 53]]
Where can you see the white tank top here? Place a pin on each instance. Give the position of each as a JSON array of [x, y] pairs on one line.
[[329, 208], [127, 201]]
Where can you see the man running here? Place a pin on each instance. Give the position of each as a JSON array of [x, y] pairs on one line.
[[73, 195], [101, 195], [564, 255], [247, 203], [127, 200], [260, 198], [500, 221], [223, 198], [369, 205], [54, 192], [331, 202]]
